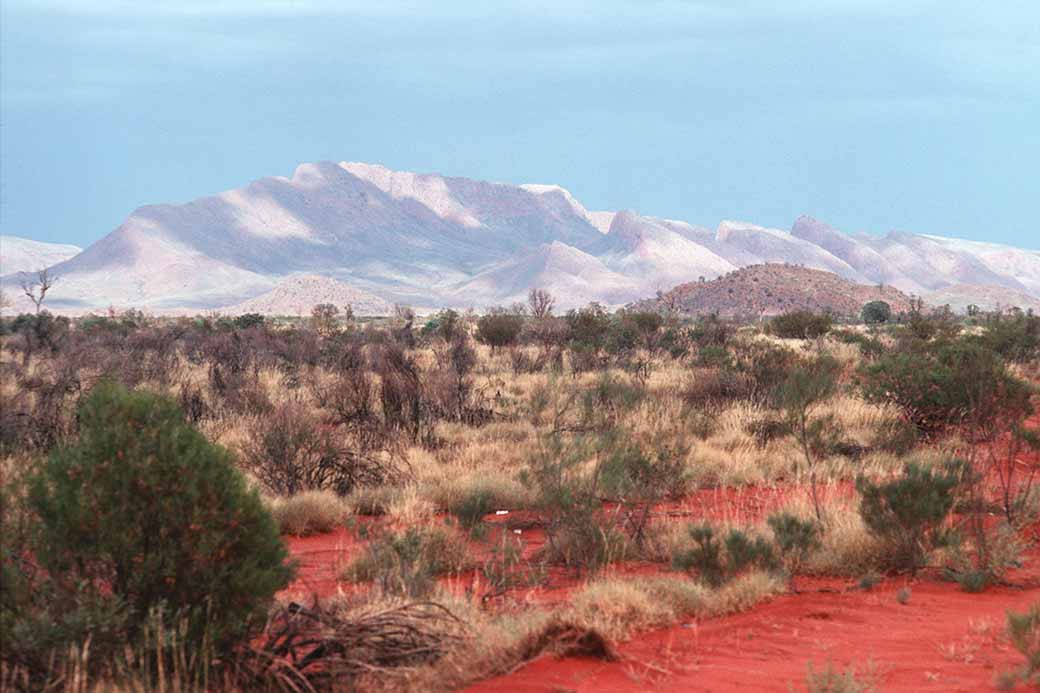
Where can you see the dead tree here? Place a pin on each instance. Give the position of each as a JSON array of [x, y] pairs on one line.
[[36, 288]]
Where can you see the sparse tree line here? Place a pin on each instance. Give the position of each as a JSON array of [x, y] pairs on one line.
[[136, 451]]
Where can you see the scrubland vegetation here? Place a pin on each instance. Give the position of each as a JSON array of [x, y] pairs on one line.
[[149, 467]]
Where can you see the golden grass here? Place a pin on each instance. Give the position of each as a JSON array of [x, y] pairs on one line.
[[310, 512]]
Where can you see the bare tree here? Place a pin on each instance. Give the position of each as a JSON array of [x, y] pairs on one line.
[[541, 303], [36, 288]]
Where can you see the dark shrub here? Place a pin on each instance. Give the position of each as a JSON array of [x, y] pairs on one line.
[[795, 539], [1016, 338], [289, 451], [247, 320], [143, 513], [718, 562], [876, 312], [944, 384], [499, 328], [445, 325], [711, 331], [712, 389], [801, 324], [766, 366], [589, 326]]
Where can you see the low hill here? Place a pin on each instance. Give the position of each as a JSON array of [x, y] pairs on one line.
[[772, 289], [297, 295]]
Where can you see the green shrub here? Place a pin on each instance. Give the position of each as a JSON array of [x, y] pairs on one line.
[[1016, 338], [144, 513], [566, 492], [407, 563], [704, 557], [717, 562], [943, 384], [800, 324], [470, 508], [795, 539], [499, 328], [801, 392], [1024, 631], [908, 512], [876, 312]]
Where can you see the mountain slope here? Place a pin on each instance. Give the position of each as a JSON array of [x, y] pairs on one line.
[[25, 255], [415, 235], [654, 255], [572, 276]]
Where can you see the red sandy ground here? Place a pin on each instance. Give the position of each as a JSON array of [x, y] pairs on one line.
[[943, 639]]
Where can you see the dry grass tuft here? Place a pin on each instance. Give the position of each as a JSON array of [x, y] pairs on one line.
[[310, 512]]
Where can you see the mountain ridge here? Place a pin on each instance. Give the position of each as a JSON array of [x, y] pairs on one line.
[[431, 240]]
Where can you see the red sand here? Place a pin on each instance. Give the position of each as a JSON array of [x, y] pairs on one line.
[[942, 640]]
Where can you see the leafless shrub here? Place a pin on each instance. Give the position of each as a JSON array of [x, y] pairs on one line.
[[326, 648], [240, 391], [289, 452]]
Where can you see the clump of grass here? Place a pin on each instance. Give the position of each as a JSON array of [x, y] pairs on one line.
[[408, 562], [372, 500], [830, 679], [310, 512], [1024, 632], [619, 607]]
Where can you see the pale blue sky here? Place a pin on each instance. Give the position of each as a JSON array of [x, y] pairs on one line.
[[911, 115]]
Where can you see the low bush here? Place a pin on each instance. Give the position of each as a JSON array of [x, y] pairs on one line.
[[407, 563], [717, 562], [471, 507], [795, 539], [908, 512], [940, 385], [499, 328], [141, 516], [800, 324], [1024, 632]]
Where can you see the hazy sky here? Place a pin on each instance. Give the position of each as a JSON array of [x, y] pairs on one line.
[[918, 116]]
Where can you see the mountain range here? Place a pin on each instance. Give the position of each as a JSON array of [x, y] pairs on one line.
[[426, 240]]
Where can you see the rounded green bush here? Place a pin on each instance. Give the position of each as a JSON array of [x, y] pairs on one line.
[[144, 510]]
